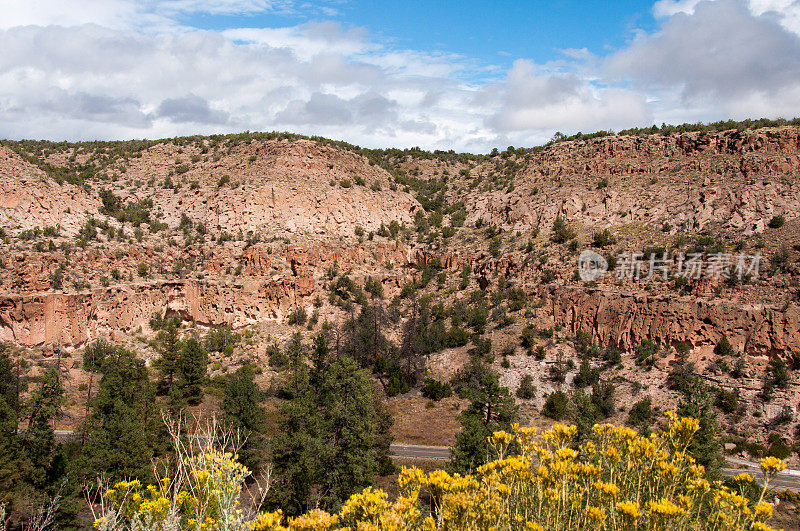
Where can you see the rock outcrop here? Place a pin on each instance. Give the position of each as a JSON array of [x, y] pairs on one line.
[[625, 320], [72, 319]]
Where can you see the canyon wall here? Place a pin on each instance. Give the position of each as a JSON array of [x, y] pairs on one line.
[[625, 320], [608, 316]]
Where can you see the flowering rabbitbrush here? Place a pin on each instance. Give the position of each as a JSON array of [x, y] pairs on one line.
[[615, 480]]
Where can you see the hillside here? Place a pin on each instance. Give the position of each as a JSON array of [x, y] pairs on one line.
[[248, 230]]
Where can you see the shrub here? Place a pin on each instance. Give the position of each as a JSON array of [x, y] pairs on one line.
[[777, 222], [780, 450], [516, 299], [298, 317], [457, 337], [57, 277], [724, 347], [612, 355], [728, 401], [540, 353], [526, 389], [548, 276], [466, 273], [556, 406], [603, 238], [528, 337], [494, 246], [682, 349], [374, 287], [587, 375], [738, 368], [221, 339], [549, 484], [561, 231], [777, 374], [483, 347], [646, 353], [641, 414], [278, 359], [436, 390]]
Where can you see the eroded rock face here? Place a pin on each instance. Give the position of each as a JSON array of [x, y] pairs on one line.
[[275, 187], [614, 318], [740, 178], [302, 200], [72, 319], [29, 198]]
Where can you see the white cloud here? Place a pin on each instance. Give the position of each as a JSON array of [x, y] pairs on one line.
[[151, 15], [668, 8], [307, 40], [786, 11], [533, 98], [109, 13], [126, 68], [225, 7], [720, 55]]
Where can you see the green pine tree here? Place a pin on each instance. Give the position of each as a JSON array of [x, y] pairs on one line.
[[243, 411], [38, 439], [125, 429], [491, 409], [192, 366], [334, 439], [698, 402], [12, 466], [168, 345]]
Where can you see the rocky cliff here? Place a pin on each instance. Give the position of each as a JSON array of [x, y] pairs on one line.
[[279, 215]]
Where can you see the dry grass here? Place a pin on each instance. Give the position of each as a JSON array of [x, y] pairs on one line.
[[418, 423]]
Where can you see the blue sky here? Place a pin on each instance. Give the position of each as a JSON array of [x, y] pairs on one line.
[[441, 75], [493, 32]]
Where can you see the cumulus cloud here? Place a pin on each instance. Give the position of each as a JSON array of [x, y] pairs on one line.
[[532, 98], [130, 68], [109, 13], [668, 8], [719, 55], [225, 7], [192, 109]]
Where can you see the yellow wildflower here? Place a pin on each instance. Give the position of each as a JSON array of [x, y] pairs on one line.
[[628, 509], [772, 465], [665, 508], [595, 514], [763, 511]]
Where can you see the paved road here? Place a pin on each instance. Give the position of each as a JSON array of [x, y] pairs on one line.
[[420, 452], [782, 481]]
